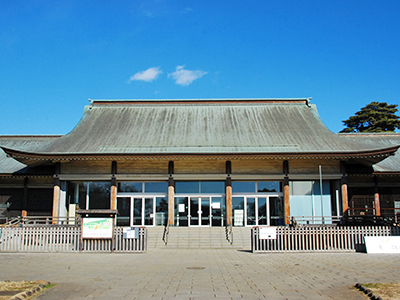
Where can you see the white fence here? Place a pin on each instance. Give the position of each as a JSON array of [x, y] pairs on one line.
[[66, 239], [321, 238]]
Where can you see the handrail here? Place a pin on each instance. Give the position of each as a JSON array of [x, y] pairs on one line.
[[229, 232], [49, 220], [314, 220], [165, 234], [12, 223]]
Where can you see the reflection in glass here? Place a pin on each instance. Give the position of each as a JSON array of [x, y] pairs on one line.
[[124, 210], [238, 211], [269, 186], [130, 187], [188, 187], [243, 186], [148, 211], [156, 187], [251, 211], [99, 195], [208, 187], [205, 211], [276, 211], [161, 211], [137, 211], [262, 211], [181, 211]]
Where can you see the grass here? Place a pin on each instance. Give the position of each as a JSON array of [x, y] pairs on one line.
[[21, 286], [384, 290]]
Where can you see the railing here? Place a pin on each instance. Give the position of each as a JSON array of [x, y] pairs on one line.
[[229, 233], [315, 220], [59, 238], [49, 220], [322, 238], [12, 223], [371, 220], [166, 233]]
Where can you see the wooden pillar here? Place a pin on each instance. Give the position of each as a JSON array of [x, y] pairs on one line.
[[56, 193], [171, 193], [345, 201], [113, 200], [24, 211], [56, 198], [286, 193], [376, 198], [286, 199], [228, 195]]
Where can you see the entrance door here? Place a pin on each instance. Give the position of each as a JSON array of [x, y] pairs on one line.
[[141, 211], [199, 211]]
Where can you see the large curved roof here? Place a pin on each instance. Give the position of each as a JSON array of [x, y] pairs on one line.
[[213, 126]]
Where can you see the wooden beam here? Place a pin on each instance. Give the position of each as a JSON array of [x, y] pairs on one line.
[[56, 199], [24, 212]]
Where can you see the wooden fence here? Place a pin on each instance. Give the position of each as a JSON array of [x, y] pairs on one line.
[[58, 238], [321, 238]]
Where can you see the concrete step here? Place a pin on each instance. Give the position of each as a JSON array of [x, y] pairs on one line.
[[198, 237]]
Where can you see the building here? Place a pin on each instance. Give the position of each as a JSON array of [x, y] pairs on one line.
[[210, 162]]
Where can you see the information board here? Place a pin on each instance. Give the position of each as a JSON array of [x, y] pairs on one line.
[[101, 228], [130, 233], [382, 244], [267, 233]]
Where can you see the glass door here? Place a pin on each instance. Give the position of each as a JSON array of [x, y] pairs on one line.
[[135, 211], [205, 211], [195, 211]]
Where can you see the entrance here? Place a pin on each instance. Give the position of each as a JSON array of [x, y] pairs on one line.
[[199, 211], [257, 210], [141, 211]]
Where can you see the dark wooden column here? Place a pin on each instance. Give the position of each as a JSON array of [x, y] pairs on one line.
[[24, 211], [286, 195], [56, 193], [228, 193], [113, 200], [171, 193], [376, 197]]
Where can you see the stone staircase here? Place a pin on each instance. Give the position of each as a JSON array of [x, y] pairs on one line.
[[198, 237]]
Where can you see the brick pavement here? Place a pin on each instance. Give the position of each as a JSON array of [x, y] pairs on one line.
[[201, 274]]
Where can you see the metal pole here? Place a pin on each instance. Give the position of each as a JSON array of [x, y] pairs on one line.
[[321, 191]]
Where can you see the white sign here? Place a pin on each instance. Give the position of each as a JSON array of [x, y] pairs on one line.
[[238, 215], [181, 207], [216, 205], [130, 233], [97, 228], [267, 233], [382, 244]]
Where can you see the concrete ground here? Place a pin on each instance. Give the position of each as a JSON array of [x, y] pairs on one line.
[[201, 274]]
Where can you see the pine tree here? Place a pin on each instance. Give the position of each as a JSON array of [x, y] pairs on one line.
[[375, 117]]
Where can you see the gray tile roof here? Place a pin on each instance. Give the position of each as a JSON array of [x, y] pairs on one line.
[[203, 127], [388, 165], [8, 165]]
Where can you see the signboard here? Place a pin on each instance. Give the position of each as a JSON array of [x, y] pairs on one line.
[[267, 233], [238, 215], [130, 233], [182, 208], [100, 228], [216, 205], [382, 244]]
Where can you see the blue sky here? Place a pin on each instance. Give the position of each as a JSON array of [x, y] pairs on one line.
[[55, 55]]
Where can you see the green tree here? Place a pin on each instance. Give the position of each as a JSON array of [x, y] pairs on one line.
[[375, 117]]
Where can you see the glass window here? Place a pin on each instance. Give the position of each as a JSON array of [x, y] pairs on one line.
[[243, 187], [99, 195], [124, 210], [238, 211], [130, 187], [161, 211], [209, 187], [269, 186], [156, 187], [187, 187]]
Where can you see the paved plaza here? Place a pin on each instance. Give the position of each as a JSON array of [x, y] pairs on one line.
[[201, 274]]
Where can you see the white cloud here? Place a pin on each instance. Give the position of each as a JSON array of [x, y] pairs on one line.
[[149, 75], [185, 77]]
